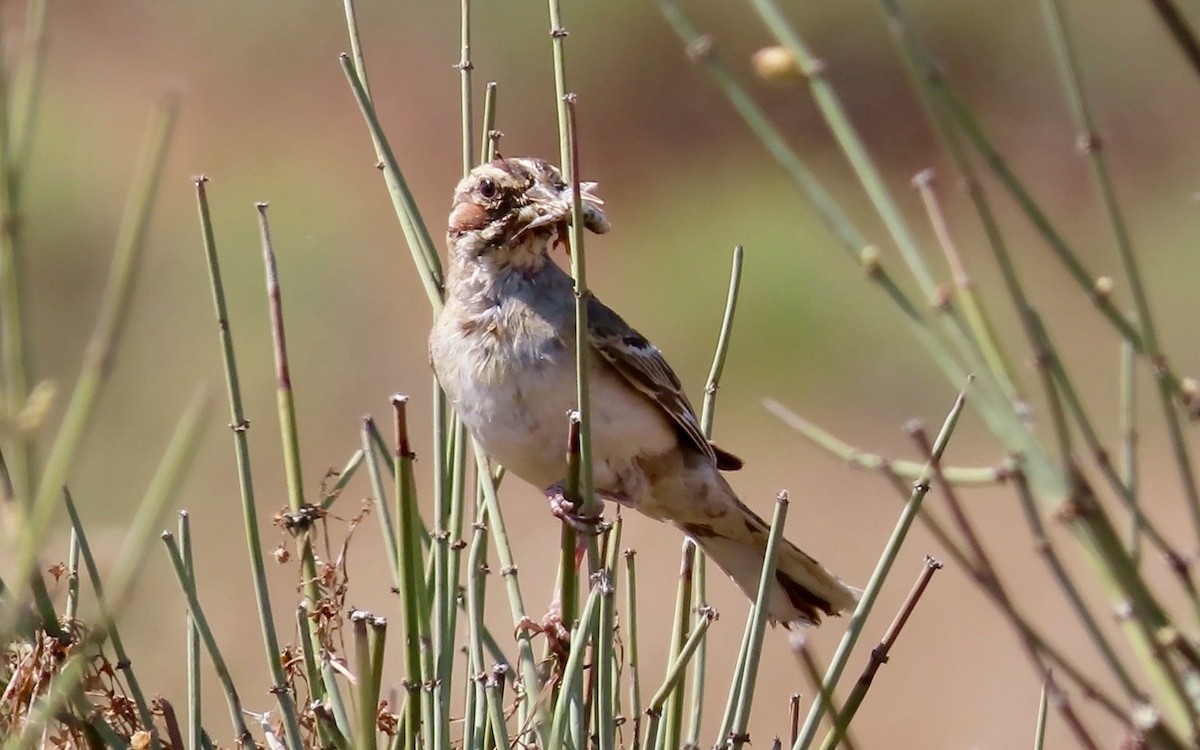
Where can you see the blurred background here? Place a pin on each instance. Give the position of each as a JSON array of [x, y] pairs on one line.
[[267, 115]]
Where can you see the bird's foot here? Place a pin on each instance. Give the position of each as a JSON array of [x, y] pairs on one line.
[[569, 511], [558, 635]]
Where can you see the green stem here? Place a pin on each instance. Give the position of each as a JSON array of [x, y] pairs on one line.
[[464, 69], [572, 672], [416, 234], [236, 714], [240, 426], [194, 720], [288, 431], [909, 470], [411, 575], [1090, 143], [532, 682], [875, 584], [879, 656], [758, 623], [670, 730]]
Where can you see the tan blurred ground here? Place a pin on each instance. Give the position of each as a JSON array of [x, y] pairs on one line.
[[268, 116]]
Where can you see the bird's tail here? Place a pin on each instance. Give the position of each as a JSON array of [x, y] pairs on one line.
[[803, 589]]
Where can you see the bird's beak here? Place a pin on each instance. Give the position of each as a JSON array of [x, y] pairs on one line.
[[547, 206]]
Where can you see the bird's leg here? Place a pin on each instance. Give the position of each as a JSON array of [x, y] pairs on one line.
[[568, 510], [552, 625]]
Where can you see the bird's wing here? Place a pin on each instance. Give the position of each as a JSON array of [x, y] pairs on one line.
[[643, 366]]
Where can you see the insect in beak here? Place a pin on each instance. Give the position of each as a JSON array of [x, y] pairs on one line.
[[547, 206]]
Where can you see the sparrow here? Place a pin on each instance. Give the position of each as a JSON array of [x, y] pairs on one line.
[[503, 349]]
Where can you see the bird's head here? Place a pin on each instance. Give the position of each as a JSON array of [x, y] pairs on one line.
[[516, 205]]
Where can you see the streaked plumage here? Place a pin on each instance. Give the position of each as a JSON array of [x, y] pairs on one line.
[[503, 348]]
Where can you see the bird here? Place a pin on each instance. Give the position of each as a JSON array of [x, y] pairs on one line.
[[503, 350]]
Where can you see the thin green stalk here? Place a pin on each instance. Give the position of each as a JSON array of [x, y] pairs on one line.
[[605, 666], [109, 623], [16, 358], [604, 727], [959, 476], [420, 244], [572, 673], [472, 714], [676, 670], [194, 719], [1003, 421], [707, 415], [329, 732], [725, 732], [988, 578], [443, 448], [978, 321], [71, 606], [591, 506], [1086, 518], [993, 403], [1127, 467], [163, 487], [758, 623], [1058, 381], [387, 524], [378, 643], [568, 139], [851, 145], [476, 589], [701, 609], [1044, 546], [464, 69], [708, 410], [558, 36], [1020, 622], [700, 50], [879, 657], [487, 147], [210, 643], [452, 538], [808, 664], [671, 729], [334, 491], [415, 231], [439, 611], [366, 689], [356, 52], [1039, 729], [1091, 144], [111, 321], [921, 488], [948, 102], [288, 431], [495, 706], [240, 426], [631, 644], [568, 573], [403, 575], [530, 678], [26, 94], [334, 696], [410, 573]]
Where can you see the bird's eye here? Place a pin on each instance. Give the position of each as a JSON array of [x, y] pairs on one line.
[[487, 188]]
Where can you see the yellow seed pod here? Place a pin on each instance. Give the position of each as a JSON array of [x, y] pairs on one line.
[[776, 64]]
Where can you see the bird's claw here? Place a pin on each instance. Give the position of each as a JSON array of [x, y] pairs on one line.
[[567, 510], [558, 636]]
